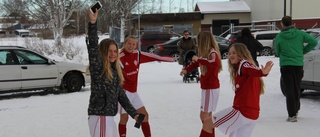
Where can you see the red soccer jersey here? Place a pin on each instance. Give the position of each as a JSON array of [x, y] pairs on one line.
[[210, 80], [130, 63], [247, 89]]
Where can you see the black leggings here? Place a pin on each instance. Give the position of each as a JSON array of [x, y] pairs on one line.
[[292, 76]]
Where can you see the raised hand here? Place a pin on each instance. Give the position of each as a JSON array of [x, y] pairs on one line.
[[92, 17], [266, 69]]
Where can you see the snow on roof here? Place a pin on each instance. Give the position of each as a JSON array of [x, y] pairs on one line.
[[223, 7], [22, 30]]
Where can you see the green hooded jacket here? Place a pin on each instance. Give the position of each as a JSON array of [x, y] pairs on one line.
[[291, 44]]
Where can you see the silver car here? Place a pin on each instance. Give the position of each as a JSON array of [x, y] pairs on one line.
[[22, 69]]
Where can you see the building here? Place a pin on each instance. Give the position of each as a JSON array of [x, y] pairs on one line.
[[222, 17]]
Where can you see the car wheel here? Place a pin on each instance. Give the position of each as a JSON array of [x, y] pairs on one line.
[[151, 50], [266, 52], [175, 56], [73, 82], [224, 55]]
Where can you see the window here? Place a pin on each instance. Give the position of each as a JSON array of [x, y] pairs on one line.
[[266, 36], [27, 57], [6, 57]]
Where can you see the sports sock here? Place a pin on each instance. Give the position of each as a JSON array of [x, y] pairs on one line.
[[205, 134], [122, 130], [213, 134], [146, 129]]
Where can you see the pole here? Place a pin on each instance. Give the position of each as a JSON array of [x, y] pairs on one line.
[[139, 45], [285, 8]]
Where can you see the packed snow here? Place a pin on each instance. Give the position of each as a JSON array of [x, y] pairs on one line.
[[173, 106]]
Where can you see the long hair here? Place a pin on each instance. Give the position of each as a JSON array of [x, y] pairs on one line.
[[104, 50], [243, 54], [206, 42]]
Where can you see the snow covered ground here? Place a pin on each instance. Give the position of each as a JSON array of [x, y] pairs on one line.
[[173, 107]]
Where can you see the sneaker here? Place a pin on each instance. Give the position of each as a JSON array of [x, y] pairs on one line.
[[292, 119]]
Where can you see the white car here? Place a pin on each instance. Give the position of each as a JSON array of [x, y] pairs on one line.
[[311, 67], [266, 39], [22, 69]]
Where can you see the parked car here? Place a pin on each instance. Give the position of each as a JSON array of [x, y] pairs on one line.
[[148, 39], [233, 36], [170, 48], [311, 67], [22, 69], [266, 39]]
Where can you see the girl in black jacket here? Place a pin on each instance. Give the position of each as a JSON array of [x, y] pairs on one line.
[[252, 44], [106, 80]]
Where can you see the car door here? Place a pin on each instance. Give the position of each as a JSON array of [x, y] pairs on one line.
[[316, 70], [308, 67], [36, 70], [10, 73]]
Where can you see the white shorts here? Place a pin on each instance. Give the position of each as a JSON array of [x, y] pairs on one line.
[[209, 99], [231, 121], [102, 126], [134, 99]]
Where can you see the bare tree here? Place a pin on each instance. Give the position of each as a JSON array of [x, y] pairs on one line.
[[160, 7], [56, 12], [170, 5], [14, 8]]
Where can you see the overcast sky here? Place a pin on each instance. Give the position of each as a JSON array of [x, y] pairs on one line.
[[182, 5]]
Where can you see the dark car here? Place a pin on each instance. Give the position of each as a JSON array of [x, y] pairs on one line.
[[170, 48], [148, 39]]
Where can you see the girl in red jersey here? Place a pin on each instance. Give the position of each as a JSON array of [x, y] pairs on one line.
[[240, 119], [209, 61], [130, 62]]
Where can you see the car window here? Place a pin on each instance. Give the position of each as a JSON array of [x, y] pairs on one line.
[[172, 41], [147, 36], [163, 36], [27, 57], [6, 57], [221, 40], [266, 36]]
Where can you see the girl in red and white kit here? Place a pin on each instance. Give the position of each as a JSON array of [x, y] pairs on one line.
[[130, 62], [209, 61], [240, 119]]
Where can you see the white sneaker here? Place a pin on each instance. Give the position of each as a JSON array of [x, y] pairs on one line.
[[292, 119]]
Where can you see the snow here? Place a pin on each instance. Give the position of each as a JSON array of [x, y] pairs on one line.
[[173, 107]]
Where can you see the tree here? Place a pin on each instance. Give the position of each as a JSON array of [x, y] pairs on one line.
[[56, 12], [16, 9]]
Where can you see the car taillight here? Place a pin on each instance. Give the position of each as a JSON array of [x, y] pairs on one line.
[[232, 40], [160, 47]]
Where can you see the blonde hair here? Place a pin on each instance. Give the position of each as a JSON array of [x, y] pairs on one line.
[[206, 42], [243, 54], [126, 40], [104, 50]]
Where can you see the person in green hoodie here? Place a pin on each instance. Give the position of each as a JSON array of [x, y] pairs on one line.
[[290, 46]]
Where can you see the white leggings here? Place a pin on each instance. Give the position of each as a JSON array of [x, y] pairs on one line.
[[231, 121], [102, 126]]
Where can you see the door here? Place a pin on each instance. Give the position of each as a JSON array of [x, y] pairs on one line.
[[10, 74], [36, 70]]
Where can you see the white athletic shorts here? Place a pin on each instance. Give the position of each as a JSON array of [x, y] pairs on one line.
[[209, 99], [134, 99], [231, 121], [102, 126]]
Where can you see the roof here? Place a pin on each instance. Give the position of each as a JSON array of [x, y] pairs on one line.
[[162, 17], [223, 7]]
